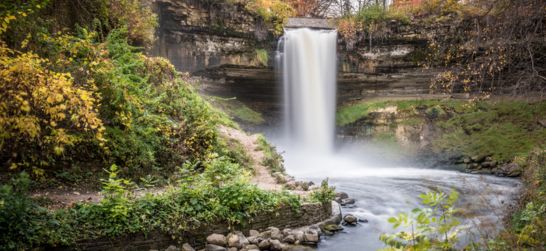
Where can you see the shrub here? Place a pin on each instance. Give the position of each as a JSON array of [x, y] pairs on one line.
[[432, 228], [325, 194], [23, 223], [43, 113]]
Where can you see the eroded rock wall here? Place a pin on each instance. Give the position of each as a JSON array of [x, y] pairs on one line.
[[218, 41]]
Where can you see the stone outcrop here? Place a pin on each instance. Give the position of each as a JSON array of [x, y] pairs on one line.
[[218, 42]]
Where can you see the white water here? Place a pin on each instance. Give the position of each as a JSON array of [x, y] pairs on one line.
[[309, 76], [383, 183]]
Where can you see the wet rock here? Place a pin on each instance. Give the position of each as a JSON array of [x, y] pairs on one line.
[[363, 220], [212, 247], [187, 247], [331, 228], [217, 239], [311, 237], [350, 219], [348, 201], [172, 248], [340, 196], [489, 164], [509, 170]]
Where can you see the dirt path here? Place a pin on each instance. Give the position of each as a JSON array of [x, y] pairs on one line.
[[62, 197], [262, 178]]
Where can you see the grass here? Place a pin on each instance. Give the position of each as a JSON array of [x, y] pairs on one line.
[[237, 110], [356, 111], [505, 130]]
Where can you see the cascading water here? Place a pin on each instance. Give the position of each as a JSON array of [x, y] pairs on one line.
[[382, 186], [309, 77]]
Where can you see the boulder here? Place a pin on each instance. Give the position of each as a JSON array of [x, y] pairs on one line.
[[251, 247], [509, 170], [232, 249], [233, 240], [290, 239], [347, 201], [217, 239], [276, 234], [212, 247], [298, 234], [311, 237], [331, 228], [254, 239], [286, 231], [264, 244], [342, 195], [276, 245], [350, 219], [187, 247], [489, 164], [253, 232]]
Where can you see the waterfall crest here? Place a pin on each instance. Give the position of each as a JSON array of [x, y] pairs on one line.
[[308, 63]]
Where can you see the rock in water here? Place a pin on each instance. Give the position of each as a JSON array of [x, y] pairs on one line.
[[217, 239], [350, 219], [347, 201]]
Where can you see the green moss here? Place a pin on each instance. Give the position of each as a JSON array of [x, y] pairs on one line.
[[237, 110], [504, 130], [353, 112], [262, 56]]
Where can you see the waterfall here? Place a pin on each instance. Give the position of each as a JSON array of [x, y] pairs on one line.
[[308, 62]]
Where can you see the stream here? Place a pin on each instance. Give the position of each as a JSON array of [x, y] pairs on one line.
[[385, 183]]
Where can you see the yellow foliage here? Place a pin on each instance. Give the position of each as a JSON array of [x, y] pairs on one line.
[[42, 112], [275, 11]]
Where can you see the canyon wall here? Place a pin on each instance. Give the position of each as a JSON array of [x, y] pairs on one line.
[[220, 42]]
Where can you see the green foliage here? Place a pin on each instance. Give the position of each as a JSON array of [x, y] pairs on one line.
[[23, 222], [431, 228], [275, 12], [325, 193], [272, 159], [505, 130], [373, 14], [262, 56], [528, 226], [237, 110], [98, 15], [44, 114]]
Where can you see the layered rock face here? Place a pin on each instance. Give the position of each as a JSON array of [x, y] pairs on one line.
[[219, 41], [389, 67], [197, 35]]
